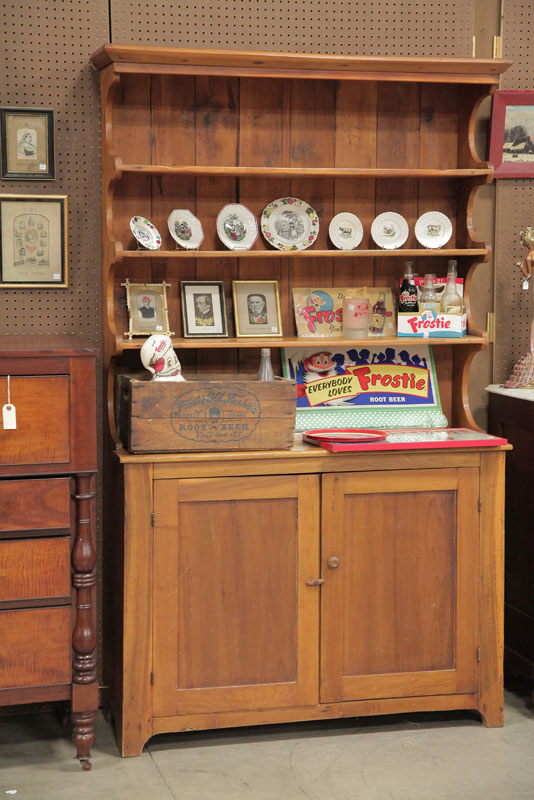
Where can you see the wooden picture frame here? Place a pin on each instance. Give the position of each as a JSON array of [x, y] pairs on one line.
[[27, 150], [33, 241], [203, 309], [147, 309], [511, 148], [257, 308]]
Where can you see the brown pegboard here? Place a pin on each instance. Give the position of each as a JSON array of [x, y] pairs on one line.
[[44, 63], [350, 27], [515, 207]]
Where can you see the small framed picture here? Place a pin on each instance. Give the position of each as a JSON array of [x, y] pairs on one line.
[[147, 309], [33, 241], [203, 308], [257, 308], [27, 136], [511, 148]]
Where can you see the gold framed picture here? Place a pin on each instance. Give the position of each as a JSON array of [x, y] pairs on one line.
[[33, 241], [27, 136], [256, 308], [147, 309], [203, 309]]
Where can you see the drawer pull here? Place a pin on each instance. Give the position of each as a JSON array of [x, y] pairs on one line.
[[333, 562]]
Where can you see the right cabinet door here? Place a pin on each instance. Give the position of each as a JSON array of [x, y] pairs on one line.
[[399, 607]]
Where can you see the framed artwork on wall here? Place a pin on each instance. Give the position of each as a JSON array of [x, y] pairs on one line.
[[257, 308], [147, 309], [203, 309], [33, 241], [27, 136], [511, 149]]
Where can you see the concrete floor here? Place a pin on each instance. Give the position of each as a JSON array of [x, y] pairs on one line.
[[440, 756]]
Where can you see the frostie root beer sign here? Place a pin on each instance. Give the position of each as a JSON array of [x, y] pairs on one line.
[[361, 381]]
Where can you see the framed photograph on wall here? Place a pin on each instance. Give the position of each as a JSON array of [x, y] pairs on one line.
[[257, 308], [511, 149], [147, 309], [203, 309], [33, 241], [27, 136]]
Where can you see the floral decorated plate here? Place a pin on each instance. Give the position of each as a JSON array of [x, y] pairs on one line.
[[389, 230], [345, 231], [185, 229], [145, 233], [237, 227], [433, 229], [289, 224]]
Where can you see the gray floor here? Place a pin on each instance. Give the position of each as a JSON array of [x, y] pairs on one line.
[[409, 757]]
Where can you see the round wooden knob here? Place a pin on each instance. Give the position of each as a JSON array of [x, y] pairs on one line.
[[333, 562]]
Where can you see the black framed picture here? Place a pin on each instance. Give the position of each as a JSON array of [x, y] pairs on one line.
[[27, 136], [33, 241], [203, 308]]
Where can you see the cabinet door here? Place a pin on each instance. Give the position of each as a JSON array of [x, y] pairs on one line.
[[235, 625], [399, 612]]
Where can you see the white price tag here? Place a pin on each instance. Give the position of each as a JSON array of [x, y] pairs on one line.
[[42, 166], [9, 417]]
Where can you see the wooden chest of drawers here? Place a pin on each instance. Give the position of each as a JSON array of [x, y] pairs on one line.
[[47, 537]]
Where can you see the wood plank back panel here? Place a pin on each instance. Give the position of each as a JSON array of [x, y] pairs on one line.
[[36, 568]]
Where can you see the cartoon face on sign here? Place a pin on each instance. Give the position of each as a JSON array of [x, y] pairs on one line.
[[159, 358]]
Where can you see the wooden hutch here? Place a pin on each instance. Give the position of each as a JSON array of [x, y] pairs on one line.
[[269, 586]]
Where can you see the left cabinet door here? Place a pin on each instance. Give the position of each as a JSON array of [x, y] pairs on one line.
[[235, 623]]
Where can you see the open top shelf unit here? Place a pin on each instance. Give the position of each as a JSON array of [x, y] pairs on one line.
[[197, 129]]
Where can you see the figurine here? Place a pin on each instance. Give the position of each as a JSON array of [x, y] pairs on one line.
[[522, 375], [159, 358], [527, 238]]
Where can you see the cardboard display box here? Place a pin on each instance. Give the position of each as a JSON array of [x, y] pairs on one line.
[[205, 413]]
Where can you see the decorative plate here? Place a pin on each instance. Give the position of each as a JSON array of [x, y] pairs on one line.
[[145, 233], [389, 230], [289, 224], [237, 227], [433, 229], [345, 231], [185, 229]]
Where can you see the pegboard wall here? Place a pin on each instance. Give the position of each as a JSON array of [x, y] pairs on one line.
[[514, 308], [351, 27]]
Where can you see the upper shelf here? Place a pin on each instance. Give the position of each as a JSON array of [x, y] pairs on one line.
[[136, 58], [300, 172]]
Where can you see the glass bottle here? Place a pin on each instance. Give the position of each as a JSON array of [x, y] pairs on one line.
[[408, 300], [265, 372], [451, 300], [378, 318], [429, 298]]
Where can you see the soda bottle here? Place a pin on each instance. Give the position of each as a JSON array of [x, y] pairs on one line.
[[408, 301], [265, 372], [429, 298], [451, 300], [378, 318]]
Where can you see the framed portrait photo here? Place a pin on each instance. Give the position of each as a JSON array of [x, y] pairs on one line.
[[203, 309], [27, 136], [511, 149], [257, 308], [147, 309], [33, 241]]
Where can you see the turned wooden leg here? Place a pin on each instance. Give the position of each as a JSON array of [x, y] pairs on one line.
[[84, 685]]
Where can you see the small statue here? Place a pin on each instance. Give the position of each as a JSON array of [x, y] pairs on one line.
[[522, 375], [527, 239], [159, 358]]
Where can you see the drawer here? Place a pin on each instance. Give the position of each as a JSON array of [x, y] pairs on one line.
[[42, 435], [35, 504], [35, 647], [34, 569]]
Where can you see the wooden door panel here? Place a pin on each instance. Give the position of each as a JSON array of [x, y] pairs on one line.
[[399, 612], [236, 627]]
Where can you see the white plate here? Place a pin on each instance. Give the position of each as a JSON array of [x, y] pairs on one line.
[[433, 229], [289, 224], [185, 228], [389, 230], [145, 233], [237, 227], [345, 231]]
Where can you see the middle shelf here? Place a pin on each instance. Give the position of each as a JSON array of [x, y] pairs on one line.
[[399, 253]]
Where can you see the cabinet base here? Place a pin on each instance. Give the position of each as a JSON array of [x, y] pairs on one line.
[[131, 742]]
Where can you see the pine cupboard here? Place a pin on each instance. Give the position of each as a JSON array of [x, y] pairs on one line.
[[272, 586]]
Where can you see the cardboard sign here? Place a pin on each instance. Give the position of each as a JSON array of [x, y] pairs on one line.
[[319, 312]]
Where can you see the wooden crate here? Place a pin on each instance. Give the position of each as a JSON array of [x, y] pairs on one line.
[[205, 413]]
